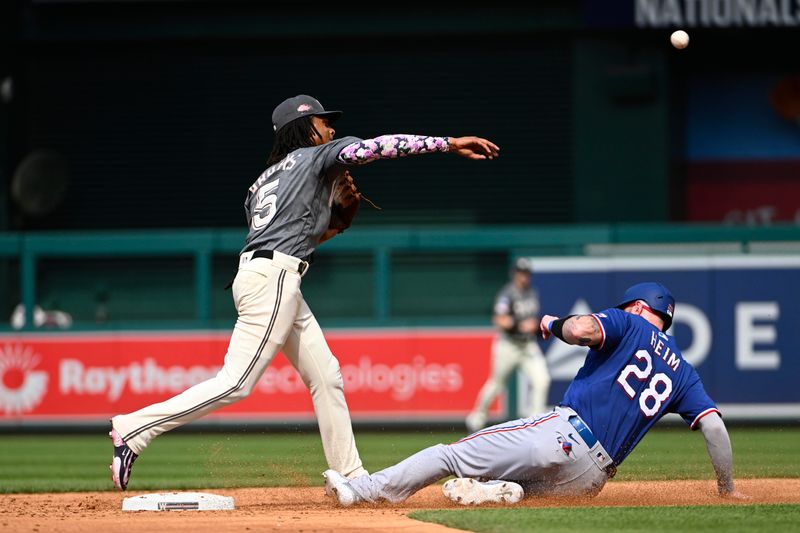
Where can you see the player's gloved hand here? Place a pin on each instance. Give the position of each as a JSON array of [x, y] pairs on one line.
[[473, 148], [346, 200], [544, 325]]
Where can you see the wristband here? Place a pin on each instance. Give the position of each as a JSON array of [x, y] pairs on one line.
[[556, 327]]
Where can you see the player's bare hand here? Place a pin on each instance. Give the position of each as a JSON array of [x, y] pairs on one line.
[[474, 148], [543, 325]]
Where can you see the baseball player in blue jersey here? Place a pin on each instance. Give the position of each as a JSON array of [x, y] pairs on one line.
[[632, 376], [289, 210]]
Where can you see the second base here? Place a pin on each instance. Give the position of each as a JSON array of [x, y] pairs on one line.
[[178, 501]]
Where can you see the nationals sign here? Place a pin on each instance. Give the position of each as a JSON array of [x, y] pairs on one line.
[[388, 374]]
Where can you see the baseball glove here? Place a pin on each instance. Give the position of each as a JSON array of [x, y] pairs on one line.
[[346, 201]]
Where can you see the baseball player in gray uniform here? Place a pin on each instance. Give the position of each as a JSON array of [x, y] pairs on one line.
[[288, 209], [516, 316]]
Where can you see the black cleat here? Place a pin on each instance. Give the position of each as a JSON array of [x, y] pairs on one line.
[[122, 462]]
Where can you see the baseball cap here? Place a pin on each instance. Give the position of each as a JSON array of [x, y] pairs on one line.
[[300, 106], [523, 264]]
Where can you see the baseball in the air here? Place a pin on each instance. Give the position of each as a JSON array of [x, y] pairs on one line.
[[679, 39]]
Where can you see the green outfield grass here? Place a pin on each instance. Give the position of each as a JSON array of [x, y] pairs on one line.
[[55, 463], [722, 518]]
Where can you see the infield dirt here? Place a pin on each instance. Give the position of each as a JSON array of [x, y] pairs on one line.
[[308, 509]]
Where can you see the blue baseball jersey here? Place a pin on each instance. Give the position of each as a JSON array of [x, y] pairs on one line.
[[631, 379]]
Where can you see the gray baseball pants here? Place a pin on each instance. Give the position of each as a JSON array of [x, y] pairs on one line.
[[545, 454]]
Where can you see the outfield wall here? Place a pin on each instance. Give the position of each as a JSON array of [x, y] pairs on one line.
[[736, 318], [389, 375], [735, 321]]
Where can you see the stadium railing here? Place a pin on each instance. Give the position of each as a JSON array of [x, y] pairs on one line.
[[30, 249]]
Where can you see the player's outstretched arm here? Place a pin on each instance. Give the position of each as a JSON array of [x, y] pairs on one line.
[[401, 145], [582, 330], [718, 444]]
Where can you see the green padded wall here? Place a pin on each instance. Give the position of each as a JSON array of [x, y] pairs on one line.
[[620, 111]]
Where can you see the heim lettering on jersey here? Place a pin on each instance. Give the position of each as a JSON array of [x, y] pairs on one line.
[[662, 350]]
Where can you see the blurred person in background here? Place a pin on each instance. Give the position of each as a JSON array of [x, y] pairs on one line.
[[516, 317], [289, 210]]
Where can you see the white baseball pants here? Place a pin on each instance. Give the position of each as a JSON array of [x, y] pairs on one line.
[[273, 317]]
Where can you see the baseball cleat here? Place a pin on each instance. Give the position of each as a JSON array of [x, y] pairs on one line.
[[358, 472], [121, 462], [338, 486], [468, 491]]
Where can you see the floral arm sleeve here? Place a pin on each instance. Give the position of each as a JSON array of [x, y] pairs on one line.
[[391, 146]]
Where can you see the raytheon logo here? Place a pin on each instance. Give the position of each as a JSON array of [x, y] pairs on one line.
[[21, 387]]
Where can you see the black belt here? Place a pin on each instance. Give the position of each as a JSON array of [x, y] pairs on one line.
[[590, 440], [268, 254]]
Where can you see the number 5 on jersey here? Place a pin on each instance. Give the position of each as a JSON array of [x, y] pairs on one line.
[[266, 205], [651, 392]]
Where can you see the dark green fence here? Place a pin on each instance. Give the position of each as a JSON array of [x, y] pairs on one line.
[[367, 277]]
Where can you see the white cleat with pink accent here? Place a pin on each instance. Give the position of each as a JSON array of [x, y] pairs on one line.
[[468, 491]]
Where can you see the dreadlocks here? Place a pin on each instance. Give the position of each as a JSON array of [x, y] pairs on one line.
[[296, 134]]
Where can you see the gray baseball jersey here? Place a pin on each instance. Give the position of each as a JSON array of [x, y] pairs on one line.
[[521, 304], [287, 214]]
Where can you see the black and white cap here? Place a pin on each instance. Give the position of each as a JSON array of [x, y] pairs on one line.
[[300, 106]]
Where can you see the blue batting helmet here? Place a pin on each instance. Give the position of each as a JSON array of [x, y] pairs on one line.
[[657, 297]]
